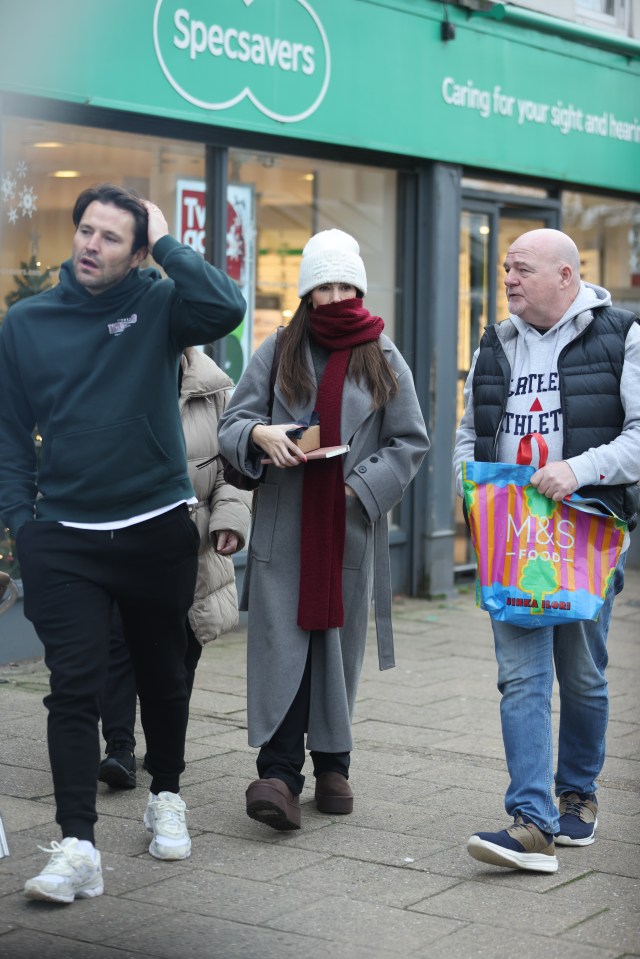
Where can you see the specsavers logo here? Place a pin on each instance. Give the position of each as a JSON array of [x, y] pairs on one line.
[[273, 53]]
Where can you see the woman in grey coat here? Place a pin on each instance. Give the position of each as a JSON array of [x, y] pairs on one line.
[[318, 552]]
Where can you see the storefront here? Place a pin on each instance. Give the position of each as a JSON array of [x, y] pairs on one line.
[[255, 123]]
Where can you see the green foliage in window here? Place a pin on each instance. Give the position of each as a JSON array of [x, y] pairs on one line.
[[29, 281]]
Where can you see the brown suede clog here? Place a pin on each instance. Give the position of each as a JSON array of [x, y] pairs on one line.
[[271, 801], [333, 794]]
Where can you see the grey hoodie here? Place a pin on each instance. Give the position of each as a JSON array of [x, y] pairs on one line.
[[534, 397]]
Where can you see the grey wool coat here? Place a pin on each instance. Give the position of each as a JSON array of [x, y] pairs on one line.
[[386, 448], [204, 394]]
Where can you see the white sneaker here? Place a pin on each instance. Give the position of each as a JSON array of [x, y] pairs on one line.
[[70, 874], [166, 819]]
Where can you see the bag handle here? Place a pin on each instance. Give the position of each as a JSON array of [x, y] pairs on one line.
[[525, 452]]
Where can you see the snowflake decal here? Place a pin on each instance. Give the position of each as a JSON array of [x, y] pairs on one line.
[[236, 251], [28, 202], [235, 242], [8, 187], [20, 199]]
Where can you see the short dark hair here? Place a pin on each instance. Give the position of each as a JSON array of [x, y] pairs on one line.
[[127, 200]]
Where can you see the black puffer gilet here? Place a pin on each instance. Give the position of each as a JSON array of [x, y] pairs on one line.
[[589, 368]]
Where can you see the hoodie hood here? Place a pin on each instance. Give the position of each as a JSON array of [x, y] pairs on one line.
[[534, 396], [589, 296], [72, 292]]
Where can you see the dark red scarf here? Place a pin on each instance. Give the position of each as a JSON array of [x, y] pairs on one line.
[[338, 327]]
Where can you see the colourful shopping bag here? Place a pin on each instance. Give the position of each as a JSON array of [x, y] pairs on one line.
[[540, 563]]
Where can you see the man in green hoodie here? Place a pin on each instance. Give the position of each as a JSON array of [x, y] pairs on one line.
[[103, 517]]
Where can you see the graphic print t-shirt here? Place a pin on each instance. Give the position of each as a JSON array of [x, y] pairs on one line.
[[534, 391]]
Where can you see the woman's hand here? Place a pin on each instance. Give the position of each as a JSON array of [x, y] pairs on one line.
[[349, 491], [226, 542], [279, 448]]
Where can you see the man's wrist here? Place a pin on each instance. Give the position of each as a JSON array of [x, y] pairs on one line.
[[162, 247], [583, 470]]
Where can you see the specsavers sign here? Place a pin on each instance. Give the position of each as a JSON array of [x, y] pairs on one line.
[[215, 55]]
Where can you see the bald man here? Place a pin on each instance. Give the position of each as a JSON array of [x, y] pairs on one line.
[[565, 364]]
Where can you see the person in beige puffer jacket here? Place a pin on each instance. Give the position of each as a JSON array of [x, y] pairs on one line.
[[223, 512], [222, 516]]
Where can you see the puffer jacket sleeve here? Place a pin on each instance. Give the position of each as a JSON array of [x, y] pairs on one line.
[[220, 506]]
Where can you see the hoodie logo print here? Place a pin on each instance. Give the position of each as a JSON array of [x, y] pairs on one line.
[[121, 325]]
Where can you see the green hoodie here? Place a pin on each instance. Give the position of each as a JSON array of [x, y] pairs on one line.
[[97, 375]]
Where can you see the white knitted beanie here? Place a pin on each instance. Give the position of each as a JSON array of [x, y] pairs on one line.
[[331, 257]]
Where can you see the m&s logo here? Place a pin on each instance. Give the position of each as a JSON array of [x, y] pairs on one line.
[[558, 537], [271, 53]]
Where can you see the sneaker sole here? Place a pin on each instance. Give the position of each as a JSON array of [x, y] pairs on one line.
[[43, 895], [494, 855], [568, 841], [585, 841], [169, 853]]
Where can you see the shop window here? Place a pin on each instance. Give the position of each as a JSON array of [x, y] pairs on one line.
[[606, 7], [607, 233], [297, 197], [603, 12], [502, 188], [43, 167]]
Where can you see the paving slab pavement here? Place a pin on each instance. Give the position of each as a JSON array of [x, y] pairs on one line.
[[393, 879]]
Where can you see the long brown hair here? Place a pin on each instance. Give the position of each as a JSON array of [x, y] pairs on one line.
[[367, 363]]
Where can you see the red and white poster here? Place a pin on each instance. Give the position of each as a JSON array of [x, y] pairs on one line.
[[190, 221]]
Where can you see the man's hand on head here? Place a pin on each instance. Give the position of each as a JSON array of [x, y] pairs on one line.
[[555, 480], [158, 226]]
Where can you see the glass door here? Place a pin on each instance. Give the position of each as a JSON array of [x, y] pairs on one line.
[[488, 227]]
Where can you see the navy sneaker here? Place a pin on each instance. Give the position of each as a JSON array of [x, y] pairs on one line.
[[118, 770], [521, 846], [578, 819]]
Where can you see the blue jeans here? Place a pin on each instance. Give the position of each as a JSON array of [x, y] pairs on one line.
[[526, 659]]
